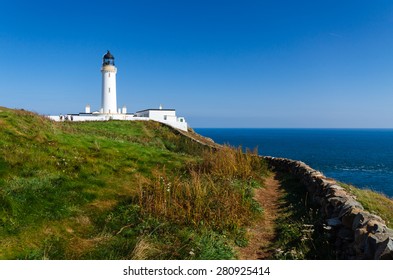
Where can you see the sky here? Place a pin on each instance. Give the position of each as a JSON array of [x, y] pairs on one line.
[[267, 63]]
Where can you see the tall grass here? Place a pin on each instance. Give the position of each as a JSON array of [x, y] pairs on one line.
[[230, 163], [217, 192]]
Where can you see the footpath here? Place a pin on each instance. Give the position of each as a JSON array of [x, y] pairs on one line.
[[262, 234]]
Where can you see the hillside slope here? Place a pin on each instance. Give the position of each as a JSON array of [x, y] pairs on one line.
[[119, 190]]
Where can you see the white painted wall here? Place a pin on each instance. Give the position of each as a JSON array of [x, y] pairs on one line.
[[109, 101], [165, 116], [161, 115], [94, 117], [173, 121], [179, 125]]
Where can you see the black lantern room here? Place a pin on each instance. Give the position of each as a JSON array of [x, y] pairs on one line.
[[108, 59]]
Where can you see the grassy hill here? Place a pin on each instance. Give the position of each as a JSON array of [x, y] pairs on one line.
[[119, 190], [142, 190]]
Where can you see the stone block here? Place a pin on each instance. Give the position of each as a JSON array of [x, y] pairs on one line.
[[349, 205], [375, 226], [328, 182], [336, 203], [384, 250], [345, 234], [333, 222], [334, 186], [331, 192], [349, 215], [360, 236], [327, 208], [389, 232], [372, 243], [370, 247], [361, 219]]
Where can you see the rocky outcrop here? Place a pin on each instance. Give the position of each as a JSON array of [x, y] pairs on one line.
[[357, 233]]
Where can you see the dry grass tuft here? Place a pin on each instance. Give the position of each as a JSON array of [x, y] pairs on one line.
[[143, 249], [217, 192], [229, 162]]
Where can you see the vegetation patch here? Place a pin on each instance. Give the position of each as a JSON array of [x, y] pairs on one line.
[[299, 227], [120, 190]]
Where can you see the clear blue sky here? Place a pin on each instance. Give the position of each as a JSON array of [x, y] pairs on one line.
[[219, 63]]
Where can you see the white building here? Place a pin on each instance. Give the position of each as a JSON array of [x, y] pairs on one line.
[[167, 116], [109, 110]]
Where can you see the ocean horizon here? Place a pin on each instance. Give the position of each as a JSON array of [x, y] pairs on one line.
[[362, 157]]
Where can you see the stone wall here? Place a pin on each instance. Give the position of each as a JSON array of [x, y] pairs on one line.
[[357, 234]]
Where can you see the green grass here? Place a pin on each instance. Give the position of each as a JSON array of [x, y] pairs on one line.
[[299, 226], [99, 190]]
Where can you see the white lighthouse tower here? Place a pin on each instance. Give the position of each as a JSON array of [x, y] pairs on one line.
[[108, 70]]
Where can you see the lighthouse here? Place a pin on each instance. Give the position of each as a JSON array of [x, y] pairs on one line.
[[109, 110], [108, 70]]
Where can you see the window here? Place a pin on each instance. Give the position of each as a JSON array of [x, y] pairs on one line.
[[109, 89], [109, 74], [164, 118]]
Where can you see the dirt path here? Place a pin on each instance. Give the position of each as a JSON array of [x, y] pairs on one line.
[[262, 233]]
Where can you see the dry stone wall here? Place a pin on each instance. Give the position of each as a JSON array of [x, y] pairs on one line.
[[358, 234]]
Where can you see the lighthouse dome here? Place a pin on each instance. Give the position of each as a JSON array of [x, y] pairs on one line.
[[108, 55], [108, 59]]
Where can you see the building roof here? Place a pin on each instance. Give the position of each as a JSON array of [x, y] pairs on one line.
[[155, 110], [108, 55]]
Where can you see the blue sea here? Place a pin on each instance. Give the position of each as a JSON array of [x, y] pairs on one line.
[[362, 157]]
